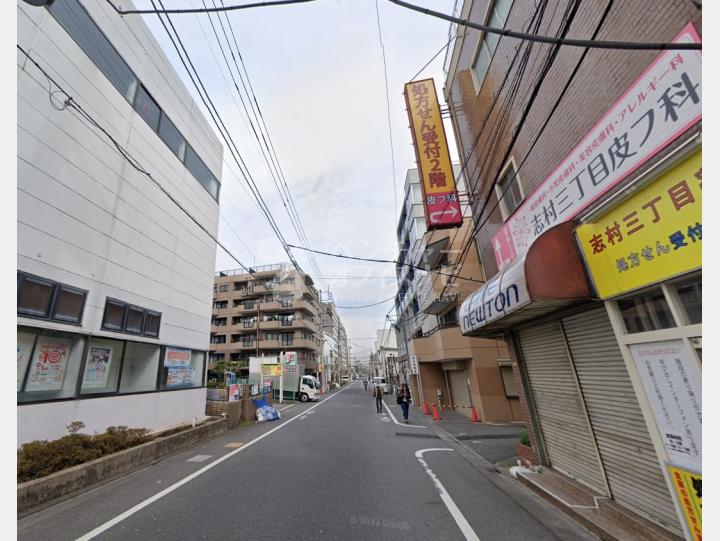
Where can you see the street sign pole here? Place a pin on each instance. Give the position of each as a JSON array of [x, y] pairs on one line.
[[282, 371]]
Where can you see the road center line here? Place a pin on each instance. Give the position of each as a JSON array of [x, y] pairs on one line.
[[143, 504], [396, 421], [457, 515]]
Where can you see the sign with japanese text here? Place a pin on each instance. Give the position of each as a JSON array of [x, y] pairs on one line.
[[440, 197], [653, 235], [271, 370], [290, 357], [673, 386], [414, 369], [234, 392], [47, 372], [688, 491], [662, 103]]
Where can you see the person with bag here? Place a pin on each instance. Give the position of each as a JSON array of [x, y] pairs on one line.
[[403, 399], [378, 396]]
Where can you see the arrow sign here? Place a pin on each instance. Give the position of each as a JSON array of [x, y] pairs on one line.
[[436, 216]]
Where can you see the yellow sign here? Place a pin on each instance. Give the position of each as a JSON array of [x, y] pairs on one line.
[[654, 235], [441, 202], [688, 488], [271, 369]]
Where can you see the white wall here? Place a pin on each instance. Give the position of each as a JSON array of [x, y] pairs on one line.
[[151, 410]]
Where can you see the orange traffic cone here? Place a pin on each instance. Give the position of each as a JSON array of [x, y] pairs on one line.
[[435, 413], [426, 408], [474, 417]]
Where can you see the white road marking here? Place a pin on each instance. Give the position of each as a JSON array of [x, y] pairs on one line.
[[396, 421], [457, 515], [143, 504], [199, 458], [303, 417]]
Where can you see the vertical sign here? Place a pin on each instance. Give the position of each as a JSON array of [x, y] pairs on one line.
[[672, 383], [414, 365], [440, 197], [688, 490], [663, 102]]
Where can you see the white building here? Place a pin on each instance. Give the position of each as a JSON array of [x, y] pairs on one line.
[[115, 282]]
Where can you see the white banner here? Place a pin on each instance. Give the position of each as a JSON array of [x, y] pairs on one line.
[[673, 385]]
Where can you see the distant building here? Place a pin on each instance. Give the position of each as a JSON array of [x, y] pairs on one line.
[[114, 281]]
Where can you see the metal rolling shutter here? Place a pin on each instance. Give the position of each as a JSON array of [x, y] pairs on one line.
[[564, 424], [459, 389], [631, 464]]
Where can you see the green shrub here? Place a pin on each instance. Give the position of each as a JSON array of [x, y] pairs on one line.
[[525, 438], [40, 458]]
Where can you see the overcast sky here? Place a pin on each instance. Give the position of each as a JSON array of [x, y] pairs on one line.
[[317, 72]]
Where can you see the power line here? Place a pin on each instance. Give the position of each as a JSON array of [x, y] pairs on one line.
[[387, 102], [70, 103], [206, 10], [418, 267], [593, 44], [366, 305], [435, 56]]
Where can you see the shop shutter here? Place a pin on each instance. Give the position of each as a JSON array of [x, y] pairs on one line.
[[631, 464], [565, 429], [459, 389]]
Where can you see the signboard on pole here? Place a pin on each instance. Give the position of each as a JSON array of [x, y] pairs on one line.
[[290, 358], [414, 369], [663, 103], [440, 197]]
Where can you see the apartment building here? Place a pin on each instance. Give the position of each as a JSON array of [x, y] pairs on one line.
[[335, 346], [273, 308], [591, 239], [388, 362], [454, 370], [114, 281]]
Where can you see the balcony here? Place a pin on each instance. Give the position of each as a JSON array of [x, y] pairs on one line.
[[246, 308], [304, 305], [224, 295], [277, 324], [222, 348], [244, 345], [220, 329], [304, 343], [270, 306], [270, 344], [223, 312], [444, 343]]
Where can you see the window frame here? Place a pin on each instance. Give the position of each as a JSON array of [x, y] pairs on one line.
[[507, 363], [505, 212], [55, 288], [126, 310], [477, 83]]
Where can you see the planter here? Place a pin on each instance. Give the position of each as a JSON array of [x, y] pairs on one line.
[[526, 455]]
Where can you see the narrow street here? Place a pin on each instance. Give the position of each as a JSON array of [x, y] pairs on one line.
[[331, 470]]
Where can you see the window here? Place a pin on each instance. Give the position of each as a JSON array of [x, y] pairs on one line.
[[216, 357], [42, 298], [122, 317], [80, 26], [690, 294], [48, 365], [508, 377], [172, 137], [217, 338], [286, 339], [182, 368], [497, 19], [219, 321], [140, 368], [223, 288], [201, 172], [220, 305], [646, 312], [509, 191], [271, 336], [286, 302], [102, 366], [147, 108], [449, 319]]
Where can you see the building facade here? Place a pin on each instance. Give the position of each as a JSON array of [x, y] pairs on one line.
[[586, 213], [453, 370], [275, 308], [114, 280], [334, 358]]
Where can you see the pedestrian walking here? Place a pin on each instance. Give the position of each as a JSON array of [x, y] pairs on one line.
[[378, 396], [403, 399], [365, 384]]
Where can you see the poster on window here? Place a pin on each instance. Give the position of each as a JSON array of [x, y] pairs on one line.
[[97, 367], [25, 343], [47, 372], [180, 372], [175, 357], [673, 386]]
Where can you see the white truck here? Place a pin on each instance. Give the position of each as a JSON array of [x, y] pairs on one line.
[[308, 389]]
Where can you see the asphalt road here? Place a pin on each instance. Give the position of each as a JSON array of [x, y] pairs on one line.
[[331, 470]]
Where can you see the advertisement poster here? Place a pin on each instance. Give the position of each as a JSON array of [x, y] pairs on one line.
[[180, 372], [688, 490], [234, 392], [266, 386], [175, 357], [97, 367], [49, 363], [673, 386], [25, 343], [271, 370]]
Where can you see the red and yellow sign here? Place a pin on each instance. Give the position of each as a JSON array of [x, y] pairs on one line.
[[440, 197], [688, 489], [654, 235], [271, 370]]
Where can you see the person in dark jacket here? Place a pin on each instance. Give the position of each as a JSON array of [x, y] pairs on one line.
[[404, 399], [378, 396]]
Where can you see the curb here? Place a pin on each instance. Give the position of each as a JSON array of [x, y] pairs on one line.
[[51, 489]]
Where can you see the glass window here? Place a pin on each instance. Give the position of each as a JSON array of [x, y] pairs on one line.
[[152, 324], [134, 319], [147, 108], [140, 367], [498, 18], [114, 316], [25, 344], [69, 304], [508, 377], [690, 294], [102, 366], [78, 23], [172, 137], [53, 367], [182, 368], [223, 288], [34, 296], [201, 172], [647, 312], [508, 191]]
